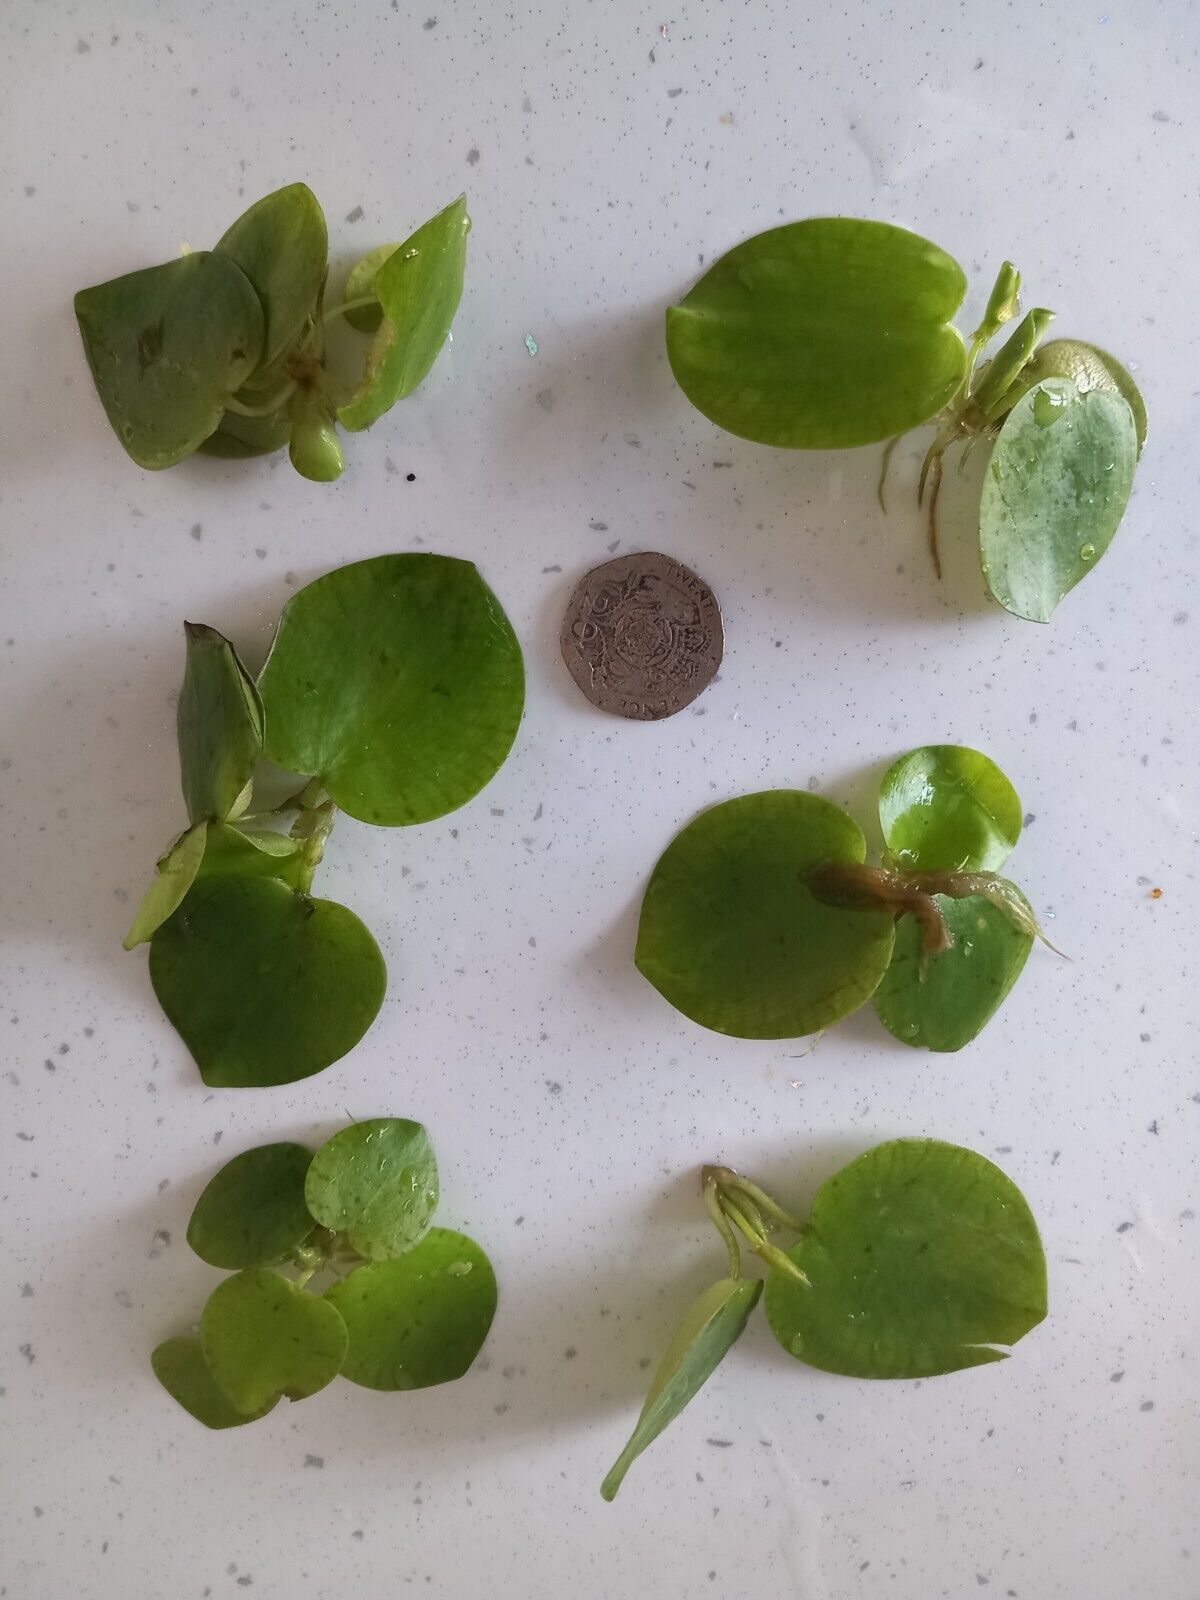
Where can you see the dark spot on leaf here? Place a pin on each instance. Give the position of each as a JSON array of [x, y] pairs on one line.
[[149, 344]]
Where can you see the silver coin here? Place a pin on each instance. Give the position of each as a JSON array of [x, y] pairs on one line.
[[642, 636]]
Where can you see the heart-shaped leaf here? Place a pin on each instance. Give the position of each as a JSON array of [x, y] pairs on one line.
[[1054, 494], [821, 334], [265, 985], [1089, 367], [177, 871], [399, 682], [419, 286], [252, 1212], [377, 1183], [180, 1367], [711, 1326], [418, 1320], [947, 808], [166, 347], [941, 1002], [730, 934], [243, 852], [360, 285], [219, 724], [263, 1337], [922, 1258], [282, 246]]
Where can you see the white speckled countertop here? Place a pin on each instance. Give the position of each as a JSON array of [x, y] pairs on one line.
[[607, 149]]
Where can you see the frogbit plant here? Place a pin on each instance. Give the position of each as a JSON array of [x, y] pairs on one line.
[[223, 350], [404, 1305], [395, 685], [762, 921], [920, 1258], [836, 332]]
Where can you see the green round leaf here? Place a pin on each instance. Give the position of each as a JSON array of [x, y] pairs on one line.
[[219, 724], [711, 1326], [922, 1257], [399, 682], [419, 286], [377, 1183], [361, 283], [244, 852], [821, 334], [1089, 367], [238, 438], [253, 1212], [941, 1003], [180, 1367], [282, 246], [263, 1337], [730, 934], [418, 1320], [177, 871], [265, 985], [166, 346], [1054, 494], [947, 808]]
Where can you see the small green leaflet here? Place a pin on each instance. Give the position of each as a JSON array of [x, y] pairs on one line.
[[946, 807], [244, 852], [263, 1336], [922, 1258], [376, 1182], [180, 1367], [711, 1326], [1054, 494], [281, 244], [399, 682], [252, 1211], [263, 984], [420, 1319], [360, 285], [220, 726], [166, 346], [821, 334], [176, 873], [419, 286], [942, 1002]]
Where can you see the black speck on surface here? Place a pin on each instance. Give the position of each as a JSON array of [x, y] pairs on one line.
[[1116, 1377], [356, 215], [410, 477], [719, 1444], [429, 24], [473, 157], [314, 1461]]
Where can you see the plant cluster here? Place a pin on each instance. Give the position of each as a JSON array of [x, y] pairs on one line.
[[919, 1258], [395, 685], [835, 332], [409, 1305], [223, 350], [761, 920]]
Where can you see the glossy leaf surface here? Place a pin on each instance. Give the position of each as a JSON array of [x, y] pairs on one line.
[[263, 1337], [180, 1367], [946, 807], [922, 1257], [730, 934], [263, 984], [377, 1182], [943, 1002], [419, 286], [282, 246], [176, 873], [420, 1319], [252, 1212], [821, 334], [1054, 493], [219, 724], [711, 1326], [166, 346], [399, 682], [1089, 367]]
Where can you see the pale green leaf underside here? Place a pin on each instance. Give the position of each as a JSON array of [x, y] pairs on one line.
[[377, 1182], [1089, 367], [166, 346], [821, 334], [263, 1337], [176, 873], [282, 246], [946, 807], [730, 934], [399, 682], [418, 1320], [219, 724], [361, 283], [922, 1258], [710, 1327], [1054, 493], [943, 1003]]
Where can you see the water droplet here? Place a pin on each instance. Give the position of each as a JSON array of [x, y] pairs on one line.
[[910, 1030], [409, 254], [1086, 552], [459, 1269], [531, 344], [1048, 406]]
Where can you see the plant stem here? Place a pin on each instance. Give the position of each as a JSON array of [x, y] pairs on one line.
[[720, 1222], [765, 1204], [350, 305], [268, 408]]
